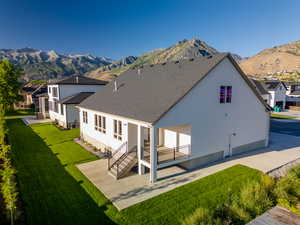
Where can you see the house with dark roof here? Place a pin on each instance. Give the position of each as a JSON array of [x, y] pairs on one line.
[[64, 95], [261, 90], [277, 91], [29, 93], [189, 113], [292, 94]]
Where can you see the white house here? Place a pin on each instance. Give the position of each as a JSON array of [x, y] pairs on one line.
[[292, 94], [65, 94], [190, 112], [277, 90]]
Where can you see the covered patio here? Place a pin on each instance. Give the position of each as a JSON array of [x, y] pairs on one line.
[[159, 147]]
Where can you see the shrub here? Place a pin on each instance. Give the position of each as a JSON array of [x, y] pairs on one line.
[[201, 216], [8, 185], [287, 190], [255, 199]]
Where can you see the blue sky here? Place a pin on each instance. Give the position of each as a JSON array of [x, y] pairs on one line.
[[119, 28]]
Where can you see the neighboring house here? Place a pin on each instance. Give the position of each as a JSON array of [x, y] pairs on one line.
[[30, 93], [292, 94], [190, 112], [65, 94], [262, 91], [277, 90]]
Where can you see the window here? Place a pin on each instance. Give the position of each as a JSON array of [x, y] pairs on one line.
[[55, 106], [222, 94], [228, 94], [84, 117], [61, 109], [225, 94], [54, 90], [118, 129], [100, 123], [49, 90]]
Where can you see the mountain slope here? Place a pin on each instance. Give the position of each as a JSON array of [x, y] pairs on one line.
[[279, 59], [183, 49], [46, 65]]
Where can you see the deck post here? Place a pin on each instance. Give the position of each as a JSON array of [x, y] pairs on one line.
[[153, 154], [140, 149]]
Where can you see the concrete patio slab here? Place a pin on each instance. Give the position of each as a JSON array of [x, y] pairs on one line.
[[30, 120], [135, 188]]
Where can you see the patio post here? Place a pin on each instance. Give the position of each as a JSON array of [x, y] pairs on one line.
[[153, 154], [140, 149]]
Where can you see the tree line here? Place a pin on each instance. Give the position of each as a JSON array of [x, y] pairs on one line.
[[9, 94]]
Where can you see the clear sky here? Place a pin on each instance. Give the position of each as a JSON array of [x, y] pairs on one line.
[[116, 29]]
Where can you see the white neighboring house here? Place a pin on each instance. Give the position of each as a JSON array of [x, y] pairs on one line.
[[292, 94], [266, 96], [190, 112], [277, 90], [65, 94]]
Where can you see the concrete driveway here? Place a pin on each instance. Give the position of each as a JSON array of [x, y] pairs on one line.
[[133, 189]]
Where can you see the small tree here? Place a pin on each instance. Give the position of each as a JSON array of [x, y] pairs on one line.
[[9, 84]]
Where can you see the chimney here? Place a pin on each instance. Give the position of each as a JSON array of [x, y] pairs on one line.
[[76, 79], [115, 86]]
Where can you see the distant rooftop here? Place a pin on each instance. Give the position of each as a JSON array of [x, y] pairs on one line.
[[76, 99], [79, 80]]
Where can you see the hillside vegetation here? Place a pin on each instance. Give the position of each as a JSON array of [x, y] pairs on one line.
[[282, 61]]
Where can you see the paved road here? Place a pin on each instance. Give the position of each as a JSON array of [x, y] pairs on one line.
[[285, 126]]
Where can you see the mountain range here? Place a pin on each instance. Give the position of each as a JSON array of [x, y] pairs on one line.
[[47, 65], [181, 50]]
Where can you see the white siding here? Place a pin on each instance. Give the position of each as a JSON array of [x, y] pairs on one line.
[[64, 91], [211, 122], [68, 90], [108, 138]]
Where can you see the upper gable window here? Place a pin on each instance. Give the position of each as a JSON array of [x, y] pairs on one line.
[[54, 90], [225, 94]]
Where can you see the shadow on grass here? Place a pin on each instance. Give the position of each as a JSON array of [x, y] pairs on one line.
[[51, 194]]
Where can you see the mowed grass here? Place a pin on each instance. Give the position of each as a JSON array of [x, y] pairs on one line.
[[19, 114], [55, 192], [279, 116]]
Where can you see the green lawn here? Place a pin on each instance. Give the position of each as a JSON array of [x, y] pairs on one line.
[[279, 116], [19, 114], [55, 192]]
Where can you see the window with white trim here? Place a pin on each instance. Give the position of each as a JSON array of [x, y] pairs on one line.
[[84, 117], [61, 109], [100, 123], [225, 94], [55, 93], [118, 129]]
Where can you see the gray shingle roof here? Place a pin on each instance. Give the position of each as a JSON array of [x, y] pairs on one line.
[[76, 99], [260, 87], [272, 85], [149, 95], [80, 80]]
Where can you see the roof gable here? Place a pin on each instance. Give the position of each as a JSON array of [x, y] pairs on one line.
[[147, 93]]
